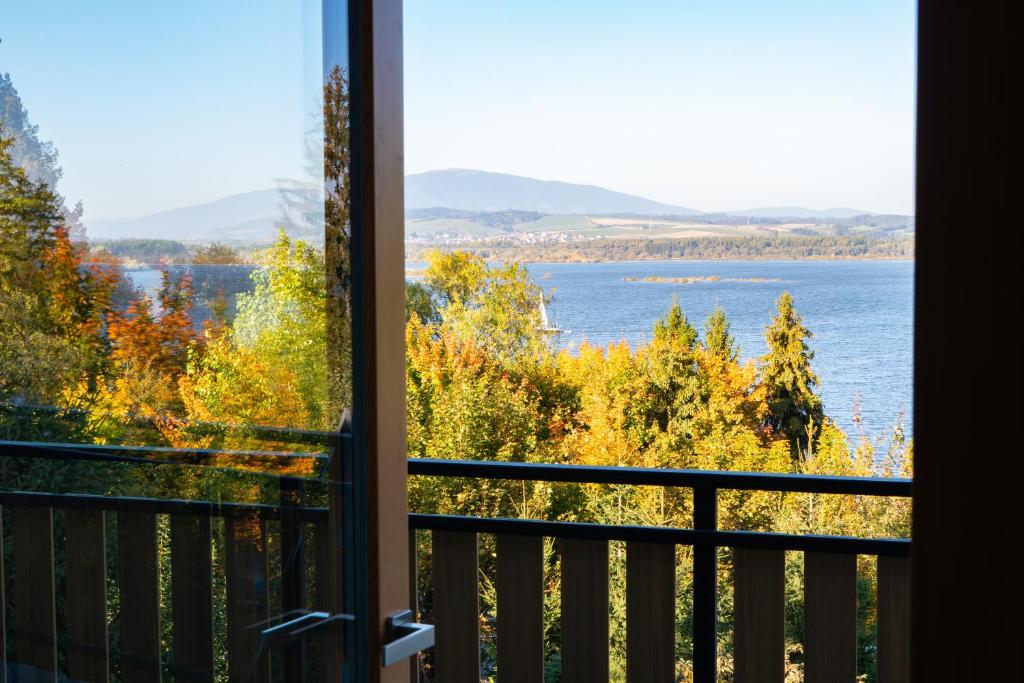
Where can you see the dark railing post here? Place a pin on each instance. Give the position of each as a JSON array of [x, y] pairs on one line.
[[705, 588], [293, 572]]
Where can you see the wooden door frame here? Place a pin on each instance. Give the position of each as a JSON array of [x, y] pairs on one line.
[[378, 296], [967, 584]]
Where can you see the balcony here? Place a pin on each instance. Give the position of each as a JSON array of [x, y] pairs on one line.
[[213, 581]]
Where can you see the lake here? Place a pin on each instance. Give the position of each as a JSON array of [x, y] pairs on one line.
[[860, 312]]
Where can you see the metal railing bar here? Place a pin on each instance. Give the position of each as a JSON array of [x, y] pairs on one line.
[[165, 455], [899, 547], [304, 436], [587, 474], [204, 508]]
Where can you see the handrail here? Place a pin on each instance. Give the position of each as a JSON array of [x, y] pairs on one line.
[[142, 454], [640, 476], [485, 469], [303, 436]]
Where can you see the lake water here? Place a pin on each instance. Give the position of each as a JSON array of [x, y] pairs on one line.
[[860, 312]]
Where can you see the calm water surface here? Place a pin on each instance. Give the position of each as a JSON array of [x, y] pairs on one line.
[[860, 312]]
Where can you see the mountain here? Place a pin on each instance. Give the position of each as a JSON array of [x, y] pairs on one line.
[[253, 216], [248, 216], [797, 212], [484, 191]]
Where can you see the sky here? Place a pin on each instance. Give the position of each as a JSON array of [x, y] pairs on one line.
[[711, 104]]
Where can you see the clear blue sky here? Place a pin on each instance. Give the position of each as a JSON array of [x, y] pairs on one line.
[[714, 104]]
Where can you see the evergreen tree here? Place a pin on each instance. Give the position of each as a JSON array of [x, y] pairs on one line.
[[718, 339], [793, 407], [37, 157], [337, 243], [673, 384]]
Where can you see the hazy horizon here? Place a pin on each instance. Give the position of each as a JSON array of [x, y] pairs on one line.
[[714, 106]]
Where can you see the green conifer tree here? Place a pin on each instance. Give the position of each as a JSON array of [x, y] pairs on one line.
[[718, 339], [793, 407]]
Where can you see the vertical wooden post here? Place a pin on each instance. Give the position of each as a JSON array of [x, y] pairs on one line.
[[650, 612], [760, 601], [245, 569], [139, 577], [584, 610], [520, 587], [191, 598], [35, 625], [456, 607], [830, 618], [378, 300], [85, 533], [893, 620]]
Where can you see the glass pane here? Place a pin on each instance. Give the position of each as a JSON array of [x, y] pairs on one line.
[[175, 354]]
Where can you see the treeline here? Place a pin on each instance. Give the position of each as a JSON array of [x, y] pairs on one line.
[[693, 248], [161, 251]]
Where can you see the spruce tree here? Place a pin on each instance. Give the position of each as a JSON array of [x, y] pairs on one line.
[[718, 339], [793, 407]]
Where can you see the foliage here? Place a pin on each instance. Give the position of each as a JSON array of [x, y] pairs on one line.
[[216, 253], [692, 248], [793, 407]]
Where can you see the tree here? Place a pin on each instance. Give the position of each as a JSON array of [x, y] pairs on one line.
[[216, 254], [718, 339], [671, 373], [497, 307], [793, 407], [37, 157], [52, 305], [338, 242]]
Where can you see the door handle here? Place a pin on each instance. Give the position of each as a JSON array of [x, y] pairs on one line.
[[405, 637]]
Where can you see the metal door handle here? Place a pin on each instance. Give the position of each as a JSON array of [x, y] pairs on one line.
[[405, 637]]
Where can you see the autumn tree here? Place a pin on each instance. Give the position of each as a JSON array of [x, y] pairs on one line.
[[52, 304]]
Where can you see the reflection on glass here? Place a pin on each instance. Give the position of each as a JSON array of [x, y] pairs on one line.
[[175, 346]]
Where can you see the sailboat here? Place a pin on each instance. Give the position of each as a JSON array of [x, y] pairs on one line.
[[545, 323]]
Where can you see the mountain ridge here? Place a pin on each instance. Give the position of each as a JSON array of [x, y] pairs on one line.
[[253, 216]]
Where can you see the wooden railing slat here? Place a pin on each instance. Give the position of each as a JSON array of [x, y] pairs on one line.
[[456, 607], [584, 610], [759, 600], [830, 618], [191, 598], [3, 605], [293, 574], [650, 612], [35, 620], [520, 587], [894, 596], [245, 565], [327, 647], [415, 662], [85, 534], [139, 587]]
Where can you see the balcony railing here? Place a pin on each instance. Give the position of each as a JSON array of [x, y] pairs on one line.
[[256, 538]]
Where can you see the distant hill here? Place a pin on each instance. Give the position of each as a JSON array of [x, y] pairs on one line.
[[239, 217], [460, 201], [484, 191]]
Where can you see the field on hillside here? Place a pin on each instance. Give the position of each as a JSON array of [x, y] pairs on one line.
[[579, 226]]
